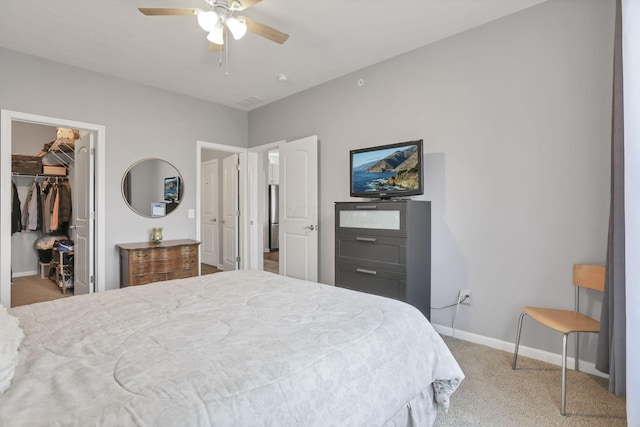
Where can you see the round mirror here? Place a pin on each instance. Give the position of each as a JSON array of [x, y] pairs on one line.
[[152, 187]]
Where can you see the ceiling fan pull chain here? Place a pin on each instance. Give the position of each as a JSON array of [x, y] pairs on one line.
[[226, 60]]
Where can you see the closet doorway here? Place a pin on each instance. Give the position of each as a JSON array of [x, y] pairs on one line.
[[81, 172]]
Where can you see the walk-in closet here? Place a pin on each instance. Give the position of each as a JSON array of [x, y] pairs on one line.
[[42, 241]]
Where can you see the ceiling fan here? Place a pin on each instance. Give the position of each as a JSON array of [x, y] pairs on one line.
[[220, 17]]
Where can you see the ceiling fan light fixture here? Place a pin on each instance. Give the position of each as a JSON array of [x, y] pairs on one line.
[[217, 34], [237, 27], [208, 20]]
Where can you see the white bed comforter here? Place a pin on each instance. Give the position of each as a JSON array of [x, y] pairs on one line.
[[243, 348]]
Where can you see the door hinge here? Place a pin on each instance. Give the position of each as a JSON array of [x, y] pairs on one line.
[[91, 279], [237, 167], [92, 151], [237, 213], [238, 259]]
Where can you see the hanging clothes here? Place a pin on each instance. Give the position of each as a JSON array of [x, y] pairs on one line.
[[47, 208], [55, 210], [32, 207], [64, 209], [16, 215]]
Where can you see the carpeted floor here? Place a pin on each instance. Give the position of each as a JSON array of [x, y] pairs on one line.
[[492, 394], [32, 289]]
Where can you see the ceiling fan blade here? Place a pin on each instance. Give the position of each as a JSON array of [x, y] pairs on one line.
[[264, 30], [243, 4], [161, 11]]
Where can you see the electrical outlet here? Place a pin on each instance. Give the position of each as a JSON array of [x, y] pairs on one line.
[[464, 296]]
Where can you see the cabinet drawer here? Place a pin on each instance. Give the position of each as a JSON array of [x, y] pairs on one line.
[[380, 282], [158, 266], [387, 253], [181, 274], [382, 218], [147, 278]]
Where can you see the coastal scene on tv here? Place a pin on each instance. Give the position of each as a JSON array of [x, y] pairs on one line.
[[389, 169]]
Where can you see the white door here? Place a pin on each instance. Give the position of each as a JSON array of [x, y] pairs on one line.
[[299, 209], [255, 208], [230, 213], [209, 214], [83, 214]]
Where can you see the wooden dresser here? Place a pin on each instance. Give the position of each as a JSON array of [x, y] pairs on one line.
[[147, 262]]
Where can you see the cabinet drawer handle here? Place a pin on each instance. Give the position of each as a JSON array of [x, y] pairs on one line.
[[362, 270], [366, 239]]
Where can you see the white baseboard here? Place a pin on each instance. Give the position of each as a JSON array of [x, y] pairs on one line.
[[25, 273], [534, 353]]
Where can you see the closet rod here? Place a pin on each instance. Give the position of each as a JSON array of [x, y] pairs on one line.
[[29, 175]]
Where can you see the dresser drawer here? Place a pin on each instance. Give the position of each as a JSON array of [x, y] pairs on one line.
[[379, 219], [181, 274], [387, 253], [147, 278], [379, 282]]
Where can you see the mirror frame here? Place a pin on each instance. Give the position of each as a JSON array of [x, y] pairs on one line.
[[124, 182]]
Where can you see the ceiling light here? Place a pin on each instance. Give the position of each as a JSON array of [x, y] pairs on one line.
[[217, 34], [208, 20], [237, 27]]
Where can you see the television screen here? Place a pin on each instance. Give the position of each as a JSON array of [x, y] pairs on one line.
[[172, 189], [386, 171]]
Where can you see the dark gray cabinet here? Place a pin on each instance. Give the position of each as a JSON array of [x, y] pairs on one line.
[[384, 248]]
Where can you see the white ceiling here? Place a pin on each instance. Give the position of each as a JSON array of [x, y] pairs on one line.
[[328, 39]]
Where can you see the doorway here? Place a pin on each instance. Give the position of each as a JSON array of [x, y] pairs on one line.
[[219, 206], [89, 256]]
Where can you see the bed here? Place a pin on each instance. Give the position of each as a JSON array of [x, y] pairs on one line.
[[242, 348]]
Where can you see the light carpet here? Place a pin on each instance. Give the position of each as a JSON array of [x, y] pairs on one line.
[[492, 394]]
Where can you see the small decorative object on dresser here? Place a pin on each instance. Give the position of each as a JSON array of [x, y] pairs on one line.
[[384, 248], [156, 235], [147, 262]]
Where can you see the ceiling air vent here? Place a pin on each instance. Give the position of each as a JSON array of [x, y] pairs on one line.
[[250, 101]]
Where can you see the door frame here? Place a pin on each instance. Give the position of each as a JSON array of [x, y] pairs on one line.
[[256, 223], [242, 192], [7, 117]]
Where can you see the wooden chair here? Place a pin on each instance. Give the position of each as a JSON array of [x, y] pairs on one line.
[[567, 321]]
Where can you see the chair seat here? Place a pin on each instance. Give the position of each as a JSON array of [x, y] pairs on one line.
[[565, 321]]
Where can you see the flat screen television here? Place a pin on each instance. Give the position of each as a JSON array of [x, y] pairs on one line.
[[172, 189], [387, 171]]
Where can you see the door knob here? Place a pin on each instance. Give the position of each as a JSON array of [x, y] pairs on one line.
[[214, 220], [309, 227]]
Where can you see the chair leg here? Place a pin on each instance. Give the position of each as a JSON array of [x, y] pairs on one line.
[[577, 351], [515, 352], [563, 404]]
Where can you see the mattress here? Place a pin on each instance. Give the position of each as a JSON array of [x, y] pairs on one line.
[[242, 348]]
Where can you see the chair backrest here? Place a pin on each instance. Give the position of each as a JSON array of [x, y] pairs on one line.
[[589, 276]]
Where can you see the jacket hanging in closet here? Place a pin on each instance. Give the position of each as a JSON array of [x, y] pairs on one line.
[[16, 215]]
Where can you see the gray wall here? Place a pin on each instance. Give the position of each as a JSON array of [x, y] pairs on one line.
[[515, 116], [140, 122]]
